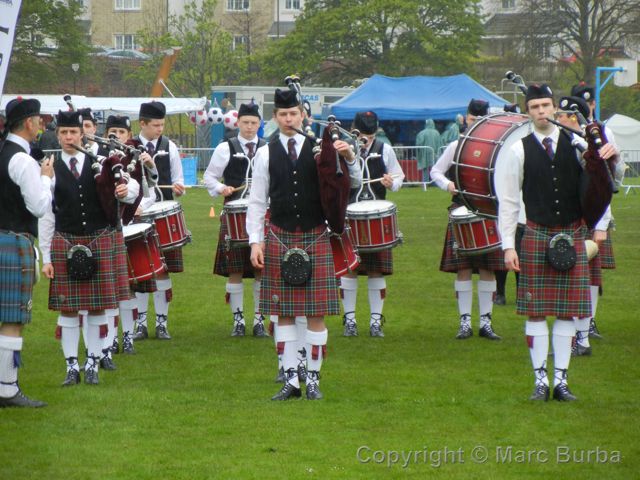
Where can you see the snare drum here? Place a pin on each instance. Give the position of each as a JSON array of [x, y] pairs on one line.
[[473, 235], [235, 218], [345, 257], [374, 225], [143, 252], [488, 139], [168, 218]]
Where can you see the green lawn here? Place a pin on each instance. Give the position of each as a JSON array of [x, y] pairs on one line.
[[198, 407]]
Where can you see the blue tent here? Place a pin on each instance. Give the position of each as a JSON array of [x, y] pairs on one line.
[[414, 98]]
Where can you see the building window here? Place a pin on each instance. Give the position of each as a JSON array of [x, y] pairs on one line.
[[292, 4], [238, 5], [128, 4], [125, 42], [240, 41], [508, 4]]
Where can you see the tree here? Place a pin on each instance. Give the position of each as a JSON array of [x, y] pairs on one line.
[[585, 30], [337, 41], [48, 41], [206, 55]]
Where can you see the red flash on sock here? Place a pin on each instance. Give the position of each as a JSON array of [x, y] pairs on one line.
[[271, 328], [104, 330], [280, 348], [227, 298], [383, 293], [168, 295], [315, 351], [58, 332], [116, 321], [530, 341]]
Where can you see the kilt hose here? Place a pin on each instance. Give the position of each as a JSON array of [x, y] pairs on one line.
[[174, 261], [452, 262], [376, 262], [605, 252], [317, 297], [98, 293], [17, 276], [544, 291], [232, 260]]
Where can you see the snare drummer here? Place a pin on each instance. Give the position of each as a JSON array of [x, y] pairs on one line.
[[169, 168], [80, 223], [380, 162], [230, 163], [285, 173], [465, 266]]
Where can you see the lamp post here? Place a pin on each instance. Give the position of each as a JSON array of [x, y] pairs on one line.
[[75, 67]]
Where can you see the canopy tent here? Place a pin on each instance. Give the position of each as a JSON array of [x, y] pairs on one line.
[[109, 105], [626, 130], [415, 98]]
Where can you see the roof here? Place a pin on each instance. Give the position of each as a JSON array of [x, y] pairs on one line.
[[505, 24]]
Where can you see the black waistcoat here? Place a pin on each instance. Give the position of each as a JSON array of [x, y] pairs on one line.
[[294, 190], [78, 210], [236, 171], [163, 164], [551, 187], [377, 169], [14, 214]]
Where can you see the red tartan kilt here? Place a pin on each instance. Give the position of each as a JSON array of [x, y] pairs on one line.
[[319, 296], [544, 291], [124, 290], [452, 262], [233, 260], [174, 261], [376, 262], [147, 286], [98, 293], [595, 271], [605, 252]]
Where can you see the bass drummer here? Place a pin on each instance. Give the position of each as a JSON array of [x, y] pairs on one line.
[[464, 266], [171, 178], [230, 163], [380, 162]]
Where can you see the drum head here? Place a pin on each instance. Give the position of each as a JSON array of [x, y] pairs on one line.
[[371, 206], [134, 230], [162, 207], [461, 213], [241, 203]]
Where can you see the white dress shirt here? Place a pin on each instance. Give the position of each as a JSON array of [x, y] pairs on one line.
[[392, 165], [175, 162], [218, 164], [440, 168]]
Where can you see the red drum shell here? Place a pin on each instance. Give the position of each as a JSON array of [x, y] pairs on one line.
[[374, 225], [345, 256], [235, 218], [168, 218], [474, 235], [144, 258]]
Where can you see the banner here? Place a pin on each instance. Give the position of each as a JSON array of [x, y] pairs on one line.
[[9, 10]]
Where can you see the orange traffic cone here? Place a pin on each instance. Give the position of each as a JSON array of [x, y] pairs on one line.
[[212, 213]]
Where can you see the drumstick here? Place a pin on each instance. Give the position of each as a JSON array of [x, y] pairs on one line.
[[239, 188], [171, 186], [374, 180]]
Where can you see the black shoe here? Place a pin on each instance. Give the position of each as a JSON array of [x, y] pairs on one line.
[[115, 347], [72, 378], [375, 328], [593, 330], [127, 345], [286, 392], [302, 372], [238, 329], [313, 392], [162, 333], [580, 351], [106, 363], [500, 300], [487, 332], [350, 325], [540, 393], [464, 331], [141, 333], [562, 393], [91, 376], [20, 400], [281, 377], [259, 330]]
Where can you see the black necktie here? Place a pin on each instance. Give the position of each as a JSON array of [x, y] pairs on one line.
[[548, 146], [150, 148], [73, 162], [250, 147], [293, 156]]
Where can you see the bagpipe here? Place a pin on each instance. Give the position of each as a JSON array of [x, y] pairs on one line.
[[598, 185]]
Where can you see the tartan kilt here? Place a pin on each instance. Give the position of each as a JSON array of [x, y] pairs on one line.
[[376, 262], [98, 293], [17, 276], [319, 296], [233, 260], [605, 253], [122, 269], [452, 262], [544, 291], [595, 271], [146, 286], [174, 261]]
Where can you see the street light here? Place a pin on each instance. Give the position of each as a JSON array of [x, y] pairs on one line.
[[75, 67]]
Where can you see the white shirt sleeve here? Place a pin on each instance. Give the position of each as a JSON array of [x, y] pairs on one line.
[[393, 167], [509, 174], [46, 227], [133, 189], [175, 162], [439, 170], [603, 223], [215, 169], [34, 188], [258, 196], [355, 173]]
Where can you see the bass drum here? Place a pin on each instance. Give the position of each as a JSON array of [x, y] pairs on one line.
[[490, 138]]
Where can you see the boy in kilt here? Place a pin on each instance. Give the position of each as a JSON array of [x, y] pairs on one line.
[[80, 228], [285, 173], [464, 266], [374, 265], [545, 171], [230, 163], [169, 167], [25, 194]]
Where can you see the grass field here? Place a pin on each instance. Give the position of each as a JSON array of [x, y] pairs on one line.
[[198, 407]]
